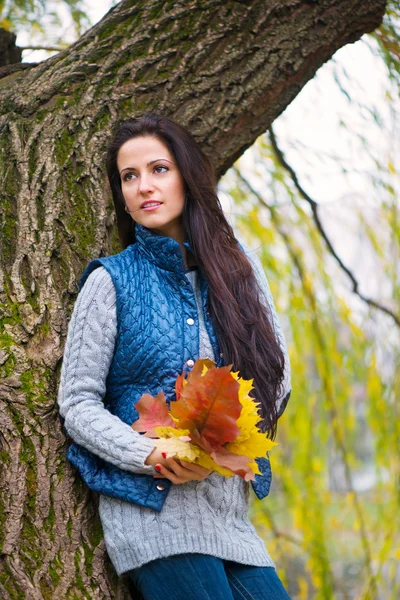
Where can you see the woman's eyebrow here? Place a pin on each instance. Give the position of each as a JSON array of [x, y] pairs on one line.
[[148, 164]]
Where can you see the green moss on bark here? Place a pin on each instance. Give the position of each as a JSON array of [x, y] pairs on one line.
[[63, 146], [89, 556], [49, 521], [96, 533], [28, 384], [46, 588], [13, 316], [56, 569], [6, 341], [8, 217], [31, 288], [8, 367], [36, 381], [33, 298], [28, 456], [41, 204], [69, 528], [33, 158], [60, 260], [5, 460], [80, 218], [10, 311], [7, 579], [29, 537], [78, 579]]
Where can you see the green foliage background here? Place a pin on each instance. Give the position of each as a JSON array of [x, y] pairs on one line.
[[41, 19], [330, 538]]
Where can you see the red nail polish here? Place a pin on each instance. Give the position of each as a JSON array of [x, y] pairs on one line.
[[164, 454], [158, 467]]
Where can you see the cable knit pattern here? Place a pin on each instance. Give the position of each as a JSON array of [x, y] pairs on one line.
[[209, 516], [87, 358]]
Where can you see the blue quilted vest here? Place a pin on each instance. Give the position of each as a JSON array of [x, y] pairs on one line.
[[156, 340]]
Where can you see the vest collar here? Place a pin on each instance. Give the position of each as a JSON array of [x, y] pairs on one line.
[[161, 250]]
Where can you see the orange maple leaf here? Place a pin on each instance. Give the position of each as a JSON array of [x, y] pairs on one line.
[[209, 406], [152, 412]]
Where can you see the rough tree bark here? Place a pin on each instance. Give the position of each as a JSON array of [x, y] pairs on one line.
[[9, 52], [225, 69]]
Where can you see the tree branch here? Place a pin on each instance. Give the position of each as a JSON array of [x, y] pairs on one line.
[[14, 67], [9, 52], [246, 54], [49, 48], [314, 207]]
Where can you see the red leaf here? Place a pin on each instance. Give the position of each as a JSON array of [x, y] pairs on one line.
[[235, 463], [152, 412], [200, 441], [210, 404]]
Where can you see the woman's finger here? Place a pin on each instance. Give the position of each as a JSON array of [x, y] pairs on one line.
[[177, 468], [167, 474], [186, 470], [194, 467], [189, 471], [180, 473]]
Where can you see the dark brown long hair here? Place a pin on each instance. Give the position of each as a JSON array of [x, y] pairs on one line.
[[243, 325]]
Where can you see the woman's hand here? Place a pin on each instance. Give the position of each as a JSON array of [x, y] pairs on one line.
[[176, 470]]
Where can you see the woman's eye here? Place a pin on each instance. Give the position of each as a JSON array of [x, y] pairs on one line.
[[129, 176]]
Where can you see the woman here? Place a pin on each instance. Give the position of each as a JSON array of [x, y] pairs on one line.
[[182, 289]]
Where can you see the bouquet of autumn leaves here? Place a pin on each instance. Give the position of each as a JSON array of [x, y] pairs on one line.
[[212, 423]]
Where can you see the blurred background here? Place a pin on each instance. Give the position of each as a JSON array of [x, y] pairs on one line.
[[317, 197]]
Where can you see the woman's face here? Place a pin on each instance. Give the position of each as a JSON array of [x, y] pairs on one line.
[[152, 185]]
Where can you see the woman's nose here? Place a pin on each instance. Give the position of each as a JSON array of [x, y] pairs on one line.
[[145, 183]]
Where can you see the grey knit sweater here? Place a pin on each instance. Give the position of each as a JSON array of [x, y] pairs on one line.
[[209, 516]]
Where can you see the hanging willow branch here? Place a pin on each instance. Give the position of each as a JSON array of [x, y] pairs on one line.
[[338, 436], [314, 207]]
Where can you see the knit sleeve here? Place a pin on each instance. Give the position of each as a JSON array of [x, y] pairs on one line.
[[266, 297], [87, 358]]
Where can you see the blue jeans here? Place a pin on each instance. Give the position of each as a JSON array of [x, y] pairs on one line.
[[203, 577]]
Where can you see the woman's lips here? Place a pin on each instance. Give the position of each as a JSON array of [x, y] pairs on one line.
[[149, 207]]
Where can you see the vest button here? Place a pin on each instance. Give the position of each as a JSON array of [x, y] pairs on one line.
[[190, 363], [190, 321], [160, 487]]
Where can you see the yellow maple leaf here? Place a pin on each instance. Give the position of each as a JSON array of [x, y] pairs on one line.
[[249, 444], [204, 371], [184, 450], [251, 441], [176, 447], [168, 432]]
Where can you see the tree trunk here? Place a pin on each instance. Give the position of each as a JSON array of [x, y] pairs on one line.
[[9, 52], [224, 69]]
